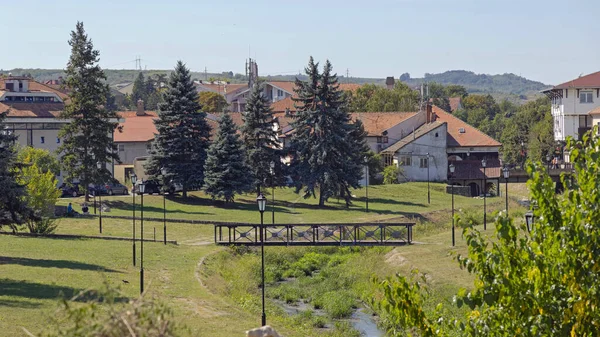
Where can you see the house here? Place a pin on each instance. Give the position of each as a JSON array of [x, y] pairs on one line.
[[572, 103], [33, 111]]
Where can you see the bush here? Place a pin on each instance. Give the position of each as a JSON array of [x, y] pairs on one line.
[[390, 174], [337, 304], [43, 226]]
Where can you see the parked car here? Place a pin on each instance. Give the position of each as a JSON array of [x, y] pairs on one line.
[[115, 188], [70, 190], [152, 186]]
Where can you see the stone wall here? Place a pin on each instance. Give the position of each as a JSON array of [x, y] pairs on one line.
[[464, 191]]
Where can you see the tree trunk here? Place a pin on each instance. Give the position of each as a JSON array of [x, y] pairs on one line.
[[184, 191], [321, 199]]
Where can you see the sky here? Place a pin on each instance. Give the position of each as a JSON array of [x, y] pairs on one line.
[[549, 41]]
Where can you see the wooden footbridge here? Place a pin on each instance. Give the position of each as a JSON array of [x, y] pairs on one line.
[[326, 234]]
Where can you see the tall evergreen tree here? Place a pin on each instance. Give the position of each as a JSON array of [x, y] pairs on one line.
[[13, 208], [226, 171], [183, 134], [139, 90], [325, 142], [260, 140], [87, 139]]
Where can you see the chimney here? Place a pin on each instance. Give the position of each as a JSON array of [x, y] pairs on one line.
[[389, 82], [429, 113], [140, 108]]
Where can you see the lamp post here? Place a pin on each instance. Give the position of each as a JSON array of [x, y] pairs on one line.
[[164, 174], [529, 220], [142, 188], [262, 203], [99, 164], [366, 160], [272, 192], [506, 173], [483, 164], [452, 168], [428, 191], [133, 181]]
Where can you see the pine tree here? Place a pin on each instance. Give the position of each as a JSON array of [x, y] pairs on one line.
[[327, 147], [226, 172], [183, 134], [260, 140], [139, 90], [87, 139], [13, 208]]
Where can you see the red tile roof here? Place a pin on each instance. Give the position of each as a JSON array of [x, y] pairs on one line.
[[377, 122], [282, 105], [136, 128], [284, 85], [454, 103], [595, 111], [221, 88], [471, 137], [37, 86], [32, 110], [587, 81]]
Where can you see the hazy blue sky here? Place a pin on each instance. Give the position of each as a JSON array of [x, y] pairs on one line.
[[550, 41]]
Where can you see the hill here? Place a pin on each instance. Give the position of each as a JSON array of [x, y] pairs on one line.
[[499, 85]]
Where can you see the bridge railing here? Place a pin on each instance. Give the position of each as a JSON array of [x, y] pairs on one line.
[[364, 234]]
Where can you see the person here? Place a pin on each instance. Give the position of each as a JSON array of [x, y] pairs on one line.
[[70, 210]]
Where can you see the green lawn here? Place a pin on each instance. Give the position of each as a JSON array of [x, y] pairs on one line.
[[35, 271]]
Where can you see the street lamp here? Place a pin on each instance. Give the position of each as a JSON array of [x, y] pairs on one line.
[[164, 174], [428, 192], [133, 181], [483, 164], [99, 164], [272, 191], [506, 173], [452, 168], [262, 203], [142, 188], [366, 160], [529, 220]]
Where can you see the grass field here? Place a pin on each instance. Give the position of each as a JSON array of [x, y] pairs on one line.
[[35, 271]]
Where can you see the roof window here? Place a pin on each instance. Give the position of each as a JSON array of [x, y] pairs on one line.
[[461, 130]]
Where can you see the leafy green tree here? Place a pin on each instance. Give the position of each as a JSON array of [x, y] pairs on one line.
[[212, 101], [260, 140], [14, 210], [373, 98], [322, 142], [43, 159], [455, 90], [183, 134], [539, 283], [226, 171], [541, 139], [390, 174], [87, 139]]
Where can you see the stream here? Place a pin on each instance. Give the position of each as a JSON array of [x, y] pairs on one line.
[[360, 320]]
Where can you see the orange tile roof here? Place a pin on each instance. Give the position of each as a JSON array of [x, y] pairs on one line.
[[377, 122], [32, 110], [220, 88], [284, 85], [37, 86], [454, 103], [282, 105], [136, 128], [595, 111], [349, 86], [472, 137], [588, 81]]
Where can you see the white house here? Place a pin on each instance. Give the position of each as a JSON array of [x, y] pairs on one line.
[[571, 103]]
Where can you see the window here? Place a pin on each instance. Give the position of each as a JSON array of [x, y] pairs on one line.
[[29, 98], [42, 140], [382, 140], [121, 147], [586, 97], [585, 121], [424, 163], [405, 161], [279, 92], [436, 135]]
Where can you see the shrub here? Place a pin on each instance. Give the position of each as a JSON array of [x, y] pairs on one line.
[[390, 174]]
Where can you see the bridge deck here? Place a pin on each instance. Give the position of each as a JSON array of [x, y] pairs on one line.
[[364, 234]]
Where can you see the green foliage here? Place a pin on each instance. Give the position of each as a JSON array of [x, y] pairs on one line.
[[226, 171], [13, 206], [38, 175], [102, 313], [328, 149], [183, 134], [212, 101], [374, 98], [542, 283], [390, 174], [260, 140], [87, 139]]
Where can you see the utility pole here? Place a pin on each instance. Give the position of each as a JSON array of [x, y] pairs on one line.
[[205, 74], [347, 78]]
